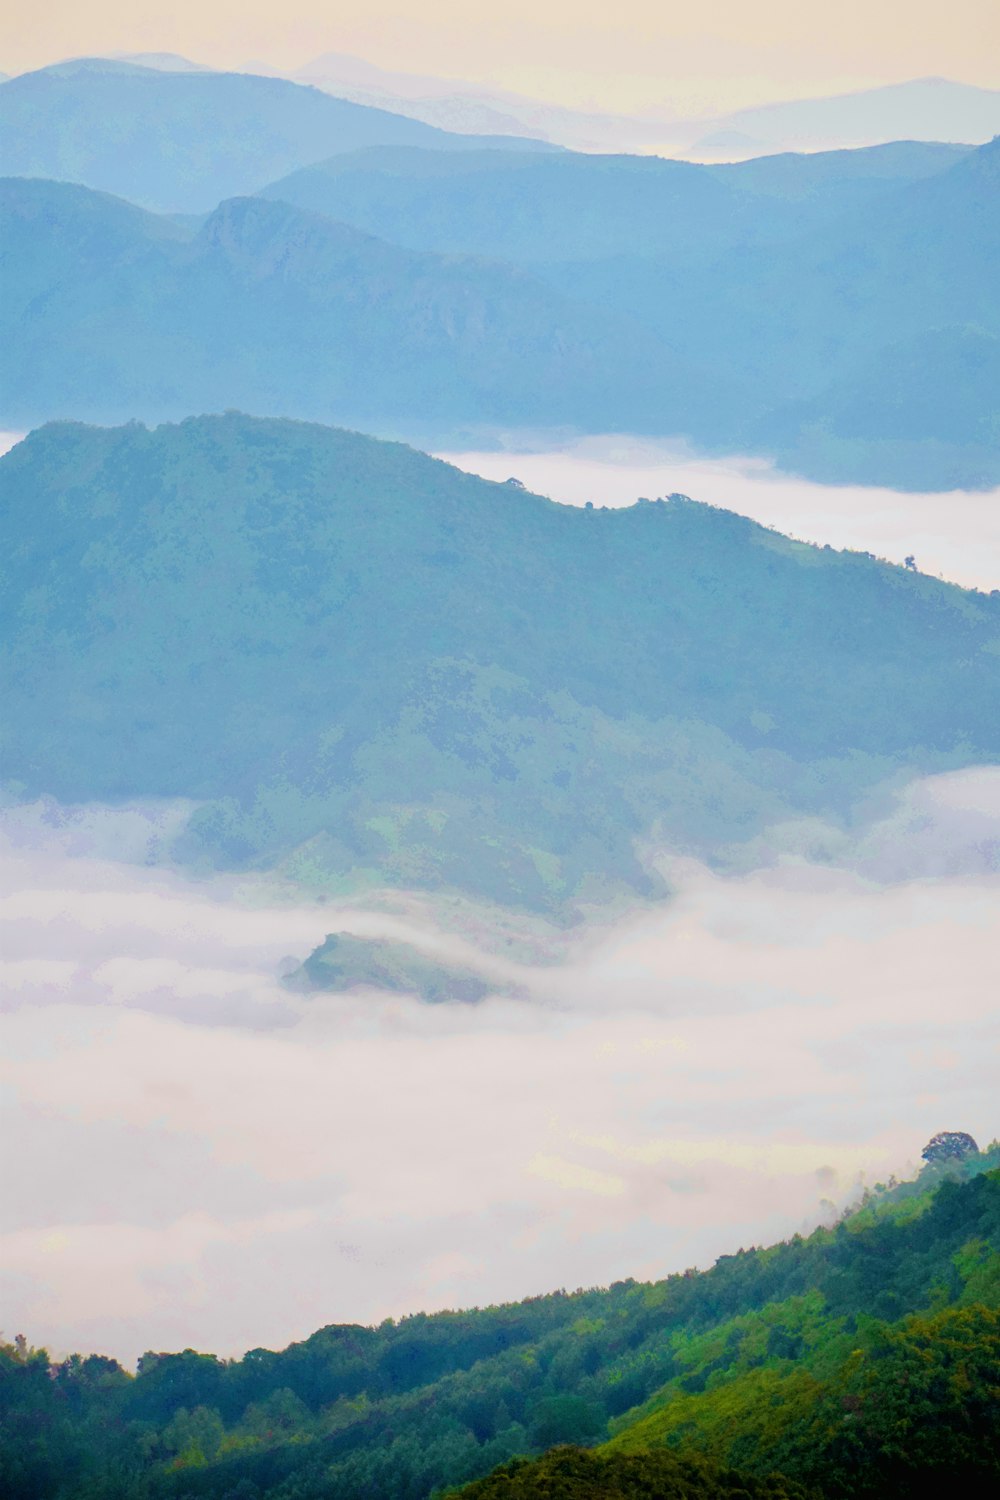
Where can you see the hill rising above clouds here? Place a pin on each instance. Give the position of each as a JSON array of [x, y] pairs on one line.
[[936, 109], [179, 141], [733, 1382], [373, 667]]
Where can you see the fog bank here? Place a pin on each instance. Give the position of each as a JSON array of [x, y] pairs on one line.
[[204, 1158]]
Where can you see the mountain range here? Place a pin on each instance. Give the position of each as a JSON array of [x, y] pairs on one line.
[[542, 210], [844, 303], [837, 312], [181, 140], [112, 312], [924, 109], [368, 667]]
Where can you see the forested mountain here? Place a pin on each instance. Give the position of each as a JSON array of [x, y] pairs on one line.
[[272, 309], [180, 141], [860, 1361], [345, 648]]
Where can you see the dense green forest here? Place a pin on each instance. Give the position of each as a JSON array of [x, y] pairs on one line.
[[566, 1473], [861, 1360], [372, 668]]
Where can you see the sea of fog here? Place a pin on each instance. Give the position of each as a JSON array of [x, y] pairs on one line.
[[206, 1158], [954, 535]]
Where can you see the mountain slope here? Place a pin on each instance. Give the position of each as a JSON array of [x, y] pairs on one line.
[[918, 257], [924, 412], [272, 309], [441, 681], [514, 205], [179, 141], [754, 1361], [753, 308]]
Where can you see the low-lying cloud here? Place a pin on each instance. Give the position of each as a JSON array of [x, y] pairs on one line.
[[205, 1158]]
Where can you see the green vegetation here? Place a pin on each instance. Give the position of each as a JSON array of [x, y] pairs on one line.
[[371, 668], [576, 1474], [855, 1362], [344, 962]]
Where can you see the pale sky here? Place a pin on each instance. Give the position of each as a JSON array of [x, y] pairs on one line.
[[719, 55]]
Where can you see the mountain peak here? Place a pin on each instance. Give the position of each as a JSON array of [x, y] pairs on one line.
[[270, 231]]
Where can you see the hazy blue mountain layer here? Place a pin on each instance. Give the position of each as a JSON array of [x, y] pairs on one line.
[[926, 408], [837, 312], [377, 668], [181, 141], [708, 1383], [936, 109], [539, 209], [111, 313]]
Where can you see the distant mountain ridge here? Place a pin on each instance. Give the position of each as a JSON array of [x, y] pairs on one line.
[[922, 109], [746, 308], [934, 109], [432, 286], [181, 140], [567, 207], [927, 109]]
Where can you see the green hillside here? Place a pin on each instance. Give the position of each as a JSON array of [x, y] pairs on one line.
[[375, 668], [579, 1474], [861, 1360]]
